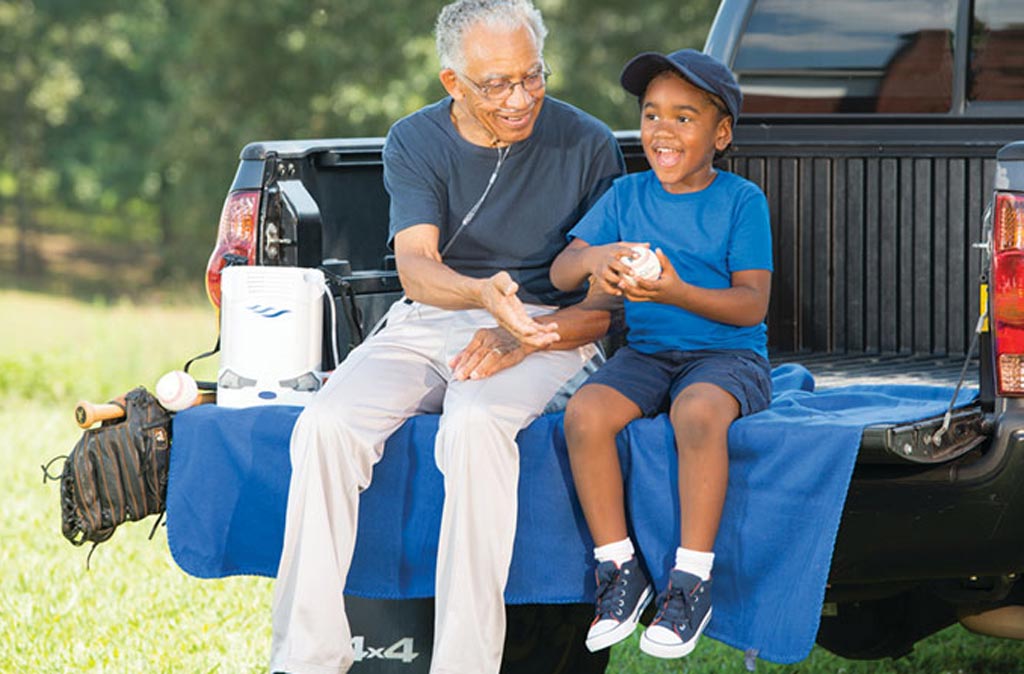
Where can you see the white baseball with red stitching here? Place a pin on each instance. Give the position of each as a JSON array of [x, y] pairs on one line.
[[177, 390], [645, 264]]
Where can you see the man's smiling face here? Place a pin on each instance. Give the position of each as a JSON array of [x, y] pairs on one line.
[[492, 54]]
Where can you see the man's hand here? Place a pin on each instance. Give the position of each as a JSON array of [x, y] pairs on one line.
[[499, 298], [494, 349], [490, 351]]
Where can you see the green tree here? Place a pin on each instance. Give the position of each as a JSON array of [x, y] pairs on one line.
[[126, 117], [35, 91], [282, 69], [591, 40], [79, 105]]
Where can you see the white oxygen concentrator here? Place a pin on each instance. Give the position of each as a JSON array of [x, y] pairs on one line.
[[271, 332]]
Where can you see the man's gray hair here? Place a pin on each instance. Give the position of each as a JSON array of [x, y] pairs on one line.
[[457, 17]]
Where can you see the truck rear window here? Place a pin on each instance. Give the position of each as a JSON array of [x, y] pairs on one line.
[[997, 51], [855, 56]]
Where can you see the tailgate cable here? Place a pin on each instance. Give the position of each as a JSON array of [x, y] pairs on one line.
[[937, 436]]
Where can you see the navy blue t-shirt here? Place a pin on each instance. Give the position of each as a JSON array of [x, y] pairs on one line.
[[545, 185]]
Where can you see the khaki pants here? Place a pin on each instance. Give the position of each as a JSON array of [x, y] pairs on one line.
[[400, 372]]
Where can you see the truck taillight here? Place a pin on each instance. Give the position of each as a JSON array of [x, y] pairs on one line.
[[236, 238], [1007, 292]]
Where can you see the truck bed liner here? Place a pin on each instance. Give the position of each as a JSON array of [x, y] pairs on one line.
[[831, 370]]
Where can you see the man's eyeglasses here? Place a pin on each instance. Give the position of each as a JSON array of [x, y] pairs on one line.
[[500, 89]]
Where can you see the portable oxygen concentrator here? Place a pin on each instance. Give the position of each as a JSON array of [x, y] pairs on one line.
[[271, 334]]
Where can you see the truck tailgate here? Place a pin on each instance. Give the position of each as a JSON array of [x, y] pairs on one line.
[[922, 442]]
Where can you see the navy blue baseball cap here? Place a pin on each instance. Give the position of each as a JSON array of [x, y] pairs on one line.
[[702, 70]]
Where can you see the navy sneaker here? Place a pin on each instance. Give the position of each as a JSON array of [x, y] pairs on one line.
[[684, 609], [622, 594]]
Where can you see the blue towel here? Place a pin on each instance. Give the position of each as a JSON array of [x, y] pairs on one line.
[[790, 468]]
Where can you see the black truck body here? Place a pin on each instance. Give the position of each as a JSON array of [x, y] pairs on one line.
[[882, 258]]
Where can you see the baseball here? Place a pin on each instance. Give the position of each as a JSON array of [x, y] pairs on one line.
[[177, 390], [645, 265]]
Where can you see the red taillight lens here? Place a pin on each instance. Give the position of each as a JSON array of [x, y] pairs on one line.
[[236, 235], [1007, 292]]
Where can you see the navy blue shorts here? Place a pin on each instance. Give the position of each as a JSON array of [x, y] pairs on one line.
[[653, 380]]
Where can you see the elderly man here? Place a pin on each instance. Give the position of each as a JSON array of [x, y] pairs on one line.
[[484, 184]]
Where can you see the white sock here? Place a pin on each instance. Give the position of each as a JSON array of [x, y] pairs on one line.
[[695, 562], [619, 552]]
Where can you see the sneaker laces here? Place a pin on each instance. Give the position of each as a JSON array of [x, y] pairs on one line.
[[675, 606], [610, 589]]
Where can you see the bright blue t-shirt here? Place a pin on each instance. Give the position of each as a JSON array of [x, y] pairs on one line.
[[706, 235]]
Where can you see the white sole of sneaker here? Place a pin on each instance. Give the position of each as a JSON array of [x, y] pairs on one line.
[[672, 651], [624, 628]]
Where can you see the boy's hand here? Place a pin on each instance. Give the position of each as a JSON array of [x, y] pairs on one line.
[[609, 269], [661, 289]]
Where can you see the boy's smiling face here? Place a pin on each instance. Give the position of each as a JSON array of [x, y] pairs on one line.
[[681, 128]]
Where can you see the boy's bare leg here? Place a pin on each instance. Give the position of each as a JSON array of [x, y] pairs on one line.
[[701, 415], [593, 417]]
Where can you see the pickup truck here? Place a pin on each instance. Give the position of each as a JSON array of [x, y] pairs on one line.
[[882, 132]]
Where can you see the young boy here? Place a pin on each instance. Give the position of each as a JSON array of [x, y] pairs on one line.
[[696, 341]]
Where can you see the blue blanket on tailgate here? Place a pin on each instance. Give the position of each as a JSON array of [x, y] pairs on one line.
[[789, 472]]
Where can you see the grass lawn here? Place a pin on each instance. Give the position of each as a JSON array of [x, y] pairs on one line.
[[135, 611]]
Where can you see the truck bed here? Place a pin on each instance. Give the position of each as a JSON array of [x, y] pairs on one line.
[[830, 369], [904, 444]]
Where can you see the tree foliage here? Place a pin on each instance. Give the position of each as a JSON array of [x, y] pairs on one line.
[[132, 112]]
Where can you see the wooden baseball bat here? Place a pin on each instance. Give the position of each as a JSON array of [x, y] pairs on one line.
[[87, 413]]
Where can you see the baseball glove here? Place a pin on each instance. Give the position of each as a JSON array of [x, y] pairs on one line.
[[116, 472]]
